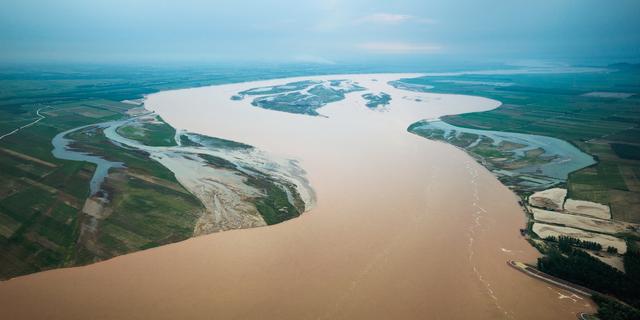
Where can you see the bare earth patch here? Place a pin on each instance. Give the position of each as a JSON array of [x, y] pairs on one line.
[[580, 222], [97, 207], [546, 230], [588, 208], [551, 199], [613, 260]]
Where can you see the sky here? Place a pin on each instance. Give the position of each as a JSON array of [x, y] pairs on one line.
[[318, 31]]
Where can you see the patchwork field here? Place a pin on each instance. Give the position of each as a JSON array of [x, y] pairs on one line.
[[47, 219], [41, 198]]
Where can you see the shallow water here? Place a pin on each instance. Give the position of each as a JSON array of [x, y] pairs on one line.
[[62, 150], [566, 157], [403, 228], [245, 160]]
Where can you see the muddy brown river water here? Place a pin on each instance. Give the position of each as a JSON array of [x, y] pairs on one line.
[[403, 228]]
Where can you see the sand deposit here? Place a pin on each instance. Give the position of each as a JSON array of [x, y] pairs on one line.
[[580, 222], [588, 208], [552, 199]]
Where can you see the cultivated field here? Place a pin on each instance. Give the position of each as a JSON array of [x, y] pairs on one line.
[[585, 109], [42, 223]]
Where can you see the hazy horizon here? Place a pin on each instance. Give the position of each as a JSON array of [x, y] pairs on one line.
[[321, 32], [324, 159]]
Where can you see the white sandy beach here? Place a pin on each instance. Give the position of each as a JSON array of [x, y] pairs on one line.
[[403, 228]]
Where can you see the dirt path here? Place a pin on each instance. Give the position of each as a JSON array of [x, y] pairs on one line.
[[40, 117]]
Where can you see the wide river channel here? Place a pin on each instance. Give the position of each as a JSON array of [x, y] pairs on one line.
[[403, 228]]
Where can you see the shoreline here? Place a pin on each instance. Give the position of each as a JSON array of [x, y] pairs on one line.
[[535, 273]]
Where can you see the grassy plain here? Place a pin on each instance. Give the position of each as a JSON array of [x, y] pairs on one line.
[[157, 133], [41, 197]]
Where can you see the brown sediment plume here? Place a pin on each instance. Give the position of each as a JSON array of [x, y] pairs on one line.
[[403, 228]]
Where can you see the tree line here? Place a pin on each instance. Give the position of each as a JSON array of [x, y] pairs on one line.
[[579, 267]]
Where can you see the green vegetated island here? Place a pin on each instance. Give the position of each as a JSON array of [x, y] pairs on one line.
[[120, 196], [569, 145], [305, 97]]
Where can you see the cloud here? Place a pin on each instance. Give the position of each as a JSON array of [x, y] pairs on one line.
[[336, 21], [392, 18], [399, 47], [307, 58]]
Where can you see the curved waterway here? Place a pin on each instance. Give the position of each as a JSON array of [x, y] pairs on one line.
[[223, 194], [566, 158], [62, 149], [403, 228]]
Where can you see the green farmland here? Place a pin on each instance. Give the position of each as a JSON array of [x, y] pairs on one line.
[[599, 112]]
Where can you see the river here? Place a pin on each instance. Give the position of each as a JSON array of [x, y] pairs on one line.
[[403, 228]]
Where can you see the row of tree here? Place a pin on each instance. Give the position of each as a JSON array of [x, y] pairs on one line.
[[565, 243], [577, 266], [632, 261]]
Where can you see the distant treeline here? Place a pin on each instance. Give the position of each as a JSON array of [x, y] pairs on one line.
[[565, 243]]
